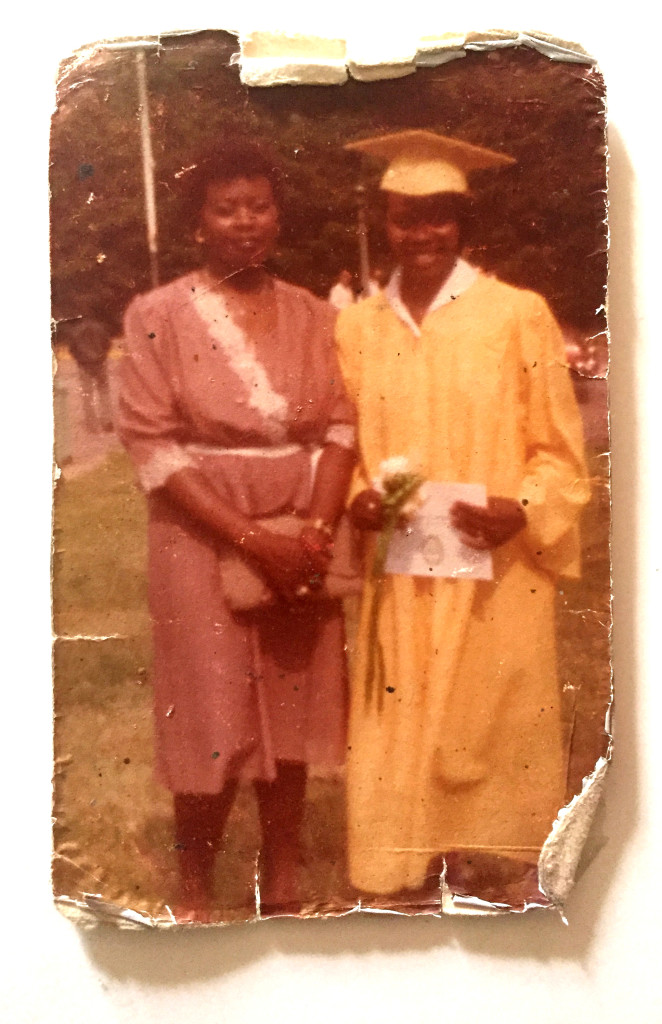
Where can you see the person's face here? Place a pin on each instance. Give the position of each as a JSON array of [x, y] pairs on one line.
[[424, 233], [239, 222]]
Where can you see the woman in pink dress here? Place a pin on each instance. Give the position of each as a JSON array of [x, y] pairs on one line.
[[233, 409]]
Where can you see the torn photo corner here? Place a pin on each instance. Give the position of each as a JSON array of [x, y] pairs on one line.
[[331, 565]]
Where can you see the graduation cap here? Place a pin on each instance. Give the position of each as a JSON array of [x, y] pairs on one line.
[[422, 163]]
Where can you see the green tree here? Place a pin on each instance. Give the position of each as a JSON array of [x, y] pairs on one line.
[[539, 224]]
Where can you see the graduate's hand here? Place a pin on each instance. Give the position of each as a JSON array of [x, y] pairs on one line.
[[366, 510], [487, 528]]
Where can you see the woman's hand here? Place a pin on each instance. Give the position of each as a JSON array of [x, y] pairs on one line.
[[294, 566], [487, 528], [366, 510]]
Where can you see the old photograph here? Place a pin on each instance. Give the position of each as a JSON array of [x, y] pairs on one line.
[[331, 521]]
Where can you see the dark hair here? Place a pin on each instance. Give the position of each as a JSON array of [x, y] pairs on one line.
[[236, 158]]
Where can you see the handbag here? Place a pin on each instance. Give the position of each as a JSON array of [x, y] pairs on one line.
[[245, 590]]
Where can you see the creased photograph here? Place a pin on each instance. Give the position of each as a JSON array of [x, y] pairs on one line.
[[331, 561]]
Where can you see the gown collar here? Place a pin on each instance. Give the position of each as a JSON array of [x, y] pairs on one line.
[[461, 277]]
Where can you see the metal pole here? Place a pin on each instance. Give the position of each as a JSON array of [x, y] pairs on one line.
[[148, 168], [362, 232]]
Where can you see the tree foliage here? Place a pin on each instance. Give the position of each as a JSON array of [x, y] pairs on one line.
[[538, 224]]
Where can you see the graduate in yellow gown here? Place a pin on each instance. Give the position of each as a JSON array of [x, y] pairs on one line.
[[466, 377]]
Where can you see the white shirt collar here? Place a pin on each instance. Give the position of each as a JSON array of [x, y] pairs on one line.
[[461, 277]]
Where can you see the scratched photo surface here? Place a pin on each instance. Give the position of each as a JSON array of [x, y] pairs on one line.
[[331, 552]]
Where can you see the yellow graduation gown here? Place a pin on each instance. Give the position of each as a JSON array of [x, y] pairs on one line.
[[466, 749]]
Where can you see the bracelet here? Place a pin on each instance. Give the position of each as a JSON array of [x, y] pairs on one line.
[[322, 526], [317, 548]]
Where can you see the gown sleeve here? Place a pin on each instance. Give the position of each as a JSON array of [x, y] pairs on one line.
[[555, 486], [342, 429], [348, 334], [149, 423]]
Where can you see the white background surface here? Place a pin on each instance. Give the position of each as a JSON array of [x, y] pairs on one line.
[[605, 965]]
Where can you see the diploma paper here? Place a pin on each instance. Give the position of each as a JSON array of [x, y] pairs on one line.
[[429, 546]]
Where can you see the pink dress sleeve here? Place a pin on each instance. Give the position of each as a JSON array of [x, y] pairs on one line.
[[342, 416], [149, 423]]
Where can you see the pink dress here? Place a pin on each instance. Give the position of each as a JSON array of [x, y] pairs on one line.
[[233, 695]]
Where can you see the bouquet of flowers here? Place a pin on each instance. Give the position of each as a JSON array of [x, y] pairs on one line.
[[401, 492]]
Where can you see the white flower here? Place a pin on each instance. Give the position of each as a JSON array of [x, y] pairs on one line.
[[397, 465]]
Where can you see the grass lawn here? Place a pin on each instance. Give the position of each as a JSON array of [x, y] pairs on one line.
[[113, 822]]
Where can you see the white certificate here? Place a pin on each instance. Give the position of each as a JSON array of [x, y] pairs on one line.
[[429, 546]]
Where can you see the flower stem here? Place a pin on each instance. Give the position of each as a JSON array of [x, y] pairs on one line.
[[397, 494]]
